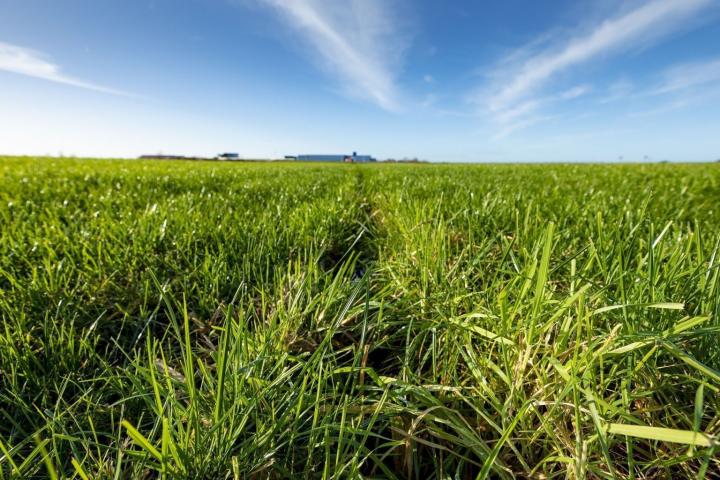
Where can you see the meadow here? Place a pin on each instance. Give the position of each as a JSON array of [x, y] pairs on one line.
[[247, 320]]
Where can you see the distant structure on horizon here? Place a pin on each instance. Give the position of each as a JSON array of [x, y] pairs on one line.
[[228, 156], [160, 156], [219, 156], [354, 158]]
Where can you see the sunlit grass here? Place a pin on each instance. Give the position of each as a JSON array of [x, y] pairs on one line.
[[209, 320]]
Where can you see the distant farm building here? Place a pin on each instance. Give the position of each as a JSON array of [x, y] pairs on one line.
[[354, 158], [228, 156], [160, 156]]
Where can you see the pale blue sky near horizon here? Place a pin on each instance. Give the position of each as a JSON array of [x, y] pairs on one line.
[[466, 81]]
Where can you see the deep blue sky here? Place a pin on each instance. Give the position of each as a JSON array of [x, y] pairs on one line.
[[511, 80]]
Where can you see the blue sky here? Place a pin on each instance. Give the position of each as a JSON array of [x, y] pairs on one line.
[[512, 80]]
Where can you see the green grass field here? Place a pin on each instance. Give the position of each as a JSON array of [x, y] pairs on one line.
[[247, 320]]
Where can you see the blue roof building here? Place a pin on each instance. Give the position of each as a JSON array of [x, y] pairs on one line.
[[354, 158]]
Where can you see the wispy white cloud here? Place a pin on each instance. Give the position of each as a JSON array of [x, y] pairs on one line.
[[689, 79], [688, 76], [525, 122], [653, 19], [25, 61], [527, 113], [681, 86], [575, 92], [515, 94], [674, 105], [359, 40], [618, 90]]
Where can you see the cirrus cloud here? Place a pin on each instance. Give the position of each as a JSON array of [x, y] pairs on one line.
[[31, 63], [654, 19], [359, 40], [517, 86]]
